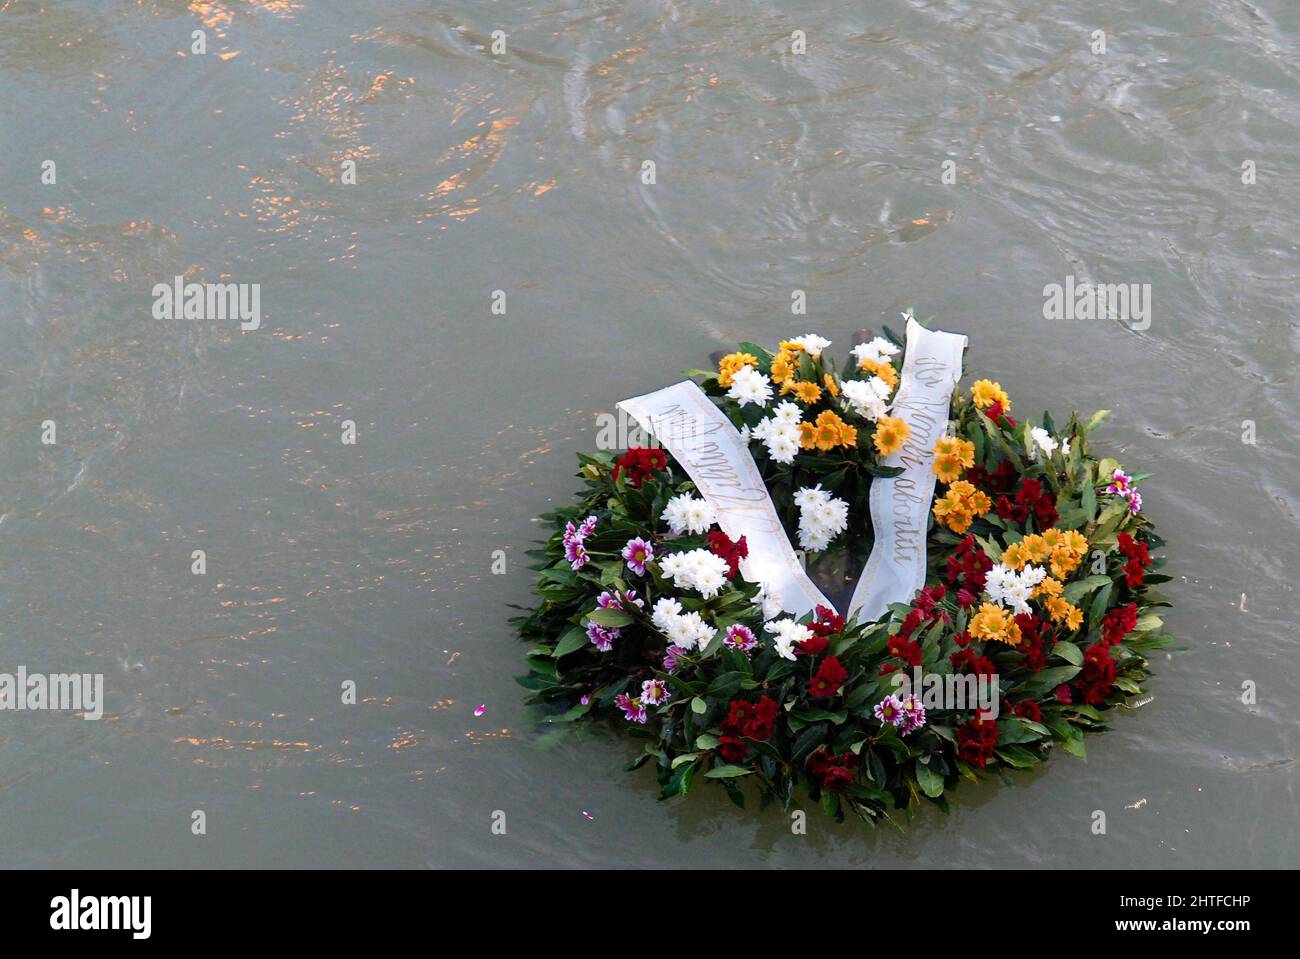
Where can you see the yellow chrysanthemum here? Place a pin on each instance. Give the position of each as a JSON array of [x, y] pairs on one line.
[[1013, 557], [804, 392], [783, 367], [891, 433], [789, 346], [985, 393], [807, 435], [952, 456], [831, 387], [731, 364], [1048, 587], [1035, 548], [960, 505], [881, 369], [828, 432], [1058, 608], [993, 623], [1074, 618], [946, 467]]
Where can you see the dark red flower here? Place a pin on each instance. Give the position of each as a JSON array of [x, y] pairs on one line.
[[732, 748], [976, 740], [827, 622], [828, 679], [1138, 559], [1118, 623], [1097, 677], [1029, 710], [966, 661], [906, 650], [813, 645], [733, 552], [831, 771], [765, 712], [1063, 695], [1034, 636], [996, 414], [640, 462]]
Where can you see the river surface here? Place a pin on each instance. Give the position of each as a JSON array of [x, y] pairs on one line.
[[521, 171]]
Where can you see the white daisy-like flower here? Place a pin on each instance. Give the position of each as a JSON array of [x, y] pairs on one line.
[[787, 413], [786, 633], [697, 569], [822, 517], [684, 512], [783, 448], [812, 344], [665, 610], [866, 397], [878, 350], [748, 385]]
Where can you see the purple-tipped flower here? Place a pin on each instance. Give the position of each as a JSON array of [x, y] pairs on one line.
[[890, 710], [633, 711], [654, 692], [1121, 484], [602, 636], [637, 553], [670, 658], [574, 551], [741, 638], [613, 599], [913, 714]]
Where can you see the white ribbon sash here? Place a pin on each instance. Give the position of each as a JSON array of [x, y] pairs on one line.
[[900, 504], [705, 444]]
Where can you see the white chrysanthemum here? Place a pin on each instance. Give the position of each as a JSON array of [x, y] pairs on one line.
[[696, 569], [783, 448], [822, 517], [878, 350], [786, 633], [685, 512], [810, 497], [748, 385], [787, 413], [1008, 588], [665, 611], [812, 344], [866, 397]]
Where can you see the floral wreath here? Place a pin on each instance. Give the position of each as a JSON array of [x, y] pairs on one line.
[[1037, 584]]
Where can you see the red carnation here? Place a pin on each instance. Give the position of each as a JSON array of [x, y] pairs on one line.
[[1029, 710], [976, 740], [760, 727], [828, 679], [965, 660], [831, 771], [640, 462], [1094, 682], [1118, 623], [827, 622], [996, 414], [1063, 695], [732, 748], [906, 650], [813, 645], [720, 544], [1138, 559]]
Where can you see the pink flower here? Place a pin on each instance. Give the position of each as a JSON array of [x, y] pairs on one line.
[[670, 658], [890, 710], [638, 552], [654, 692], [602, 636], [574, 551], [741, 638], [633, 711]]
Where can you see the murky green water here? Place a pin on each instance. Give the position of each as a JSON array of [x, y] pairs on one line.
[[521, 172]]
